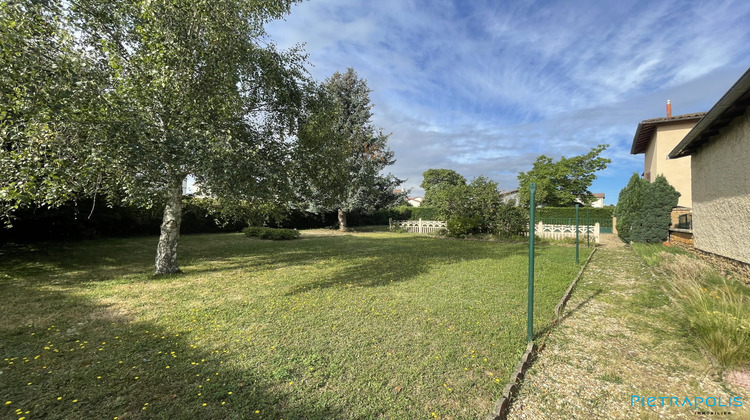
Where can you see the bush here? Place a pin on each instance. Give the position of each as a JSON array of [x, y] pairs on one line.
[[510, 221], [424, 213], [643, 210], [460, 226], [270, 233], [652, 223]]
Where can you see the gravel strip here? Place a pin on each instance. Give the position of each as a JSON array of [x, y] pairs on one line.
[[616, 342]]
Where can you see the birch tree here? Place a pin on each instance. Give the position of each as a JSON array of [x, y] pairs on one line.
[[190, 87]]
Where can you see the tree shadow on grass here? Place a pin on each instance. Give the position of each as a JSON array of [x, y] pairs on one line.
[[359, 260], [65, 356], [373, 262]]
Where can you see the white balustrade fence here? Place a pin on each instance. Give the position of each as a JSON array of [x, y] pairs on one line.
[[567, 231], [418, 226]]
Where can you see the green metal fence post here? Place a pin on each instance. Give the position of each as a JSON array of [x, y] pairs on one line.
[[532, 210], [588, 228], [577, 233]]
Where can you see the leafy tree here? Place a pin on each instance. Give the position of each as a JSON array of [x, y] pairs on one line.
[[435, 179], [341, 154], [192, 87], [561, 183], [629, 203], [476, 207], [50, 93], [477, 200]]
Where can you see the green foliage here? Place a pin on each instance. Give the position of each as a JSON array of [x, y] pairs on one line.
[[567, 215], [653, 219], [510, 220], [570, 212], [340, 154], [127, 98], [561, 183], [479, 199], [629, 203], [436, 179], [643, 210], [460, 226], [472, 208], [424, 213], [271, 233], [84, 219], [51, 94], [715, 309]]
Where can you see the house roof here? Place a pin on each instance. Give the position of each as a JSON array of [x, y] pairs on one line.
[[646, 129], [504, 193], [733, 104], [599, 195]]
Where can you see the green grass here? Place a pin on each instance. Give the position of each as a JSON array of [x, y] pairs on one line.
[[715, 309], [654, 254], [328, 326]]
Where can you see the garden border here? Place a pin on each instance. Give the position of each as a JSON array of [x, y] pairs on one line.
[[502, 406]]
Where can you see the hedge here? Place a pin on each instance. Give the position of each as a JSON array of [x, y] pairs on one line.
[[568, 212], [271, 233], [72, 222]]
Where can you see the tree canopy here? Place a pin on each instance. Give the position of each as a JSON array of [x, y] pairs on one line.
[[434, 180], [144, 94], [473, 207], [561, 183], [341, 154]]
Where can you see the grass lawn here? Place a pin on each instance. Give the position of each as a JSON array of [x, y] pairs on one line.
[[365, 325]]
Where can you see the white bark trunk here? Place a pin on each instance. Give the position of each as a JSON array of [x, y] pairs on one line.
[[342, 220], [166, 250]]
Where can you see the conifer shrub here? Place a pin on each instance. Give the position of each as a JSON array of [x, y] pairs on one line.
[[643, 210]]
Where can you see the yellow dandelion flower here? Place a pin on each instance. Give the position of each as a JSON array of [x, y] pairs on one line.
[[204, 404]]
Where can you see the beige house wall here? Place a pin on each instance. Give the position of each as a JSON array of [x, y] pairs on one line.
[[721, 192], [677, 171]]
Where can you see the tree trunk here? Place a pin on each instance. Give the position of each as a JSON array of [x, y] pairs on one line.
[[166, 250], [342, 220]]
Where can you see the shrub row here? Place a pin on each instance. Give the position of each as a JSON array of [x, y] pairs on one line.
[[270, 233], [72, 221], [570, 212], [78, 221]]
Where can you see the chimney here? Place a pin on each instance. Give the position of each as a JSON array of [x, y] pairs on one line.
[[669, 108]]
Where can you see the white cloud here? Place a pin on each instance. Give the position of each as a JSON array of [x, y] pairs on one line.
[[484, 87]]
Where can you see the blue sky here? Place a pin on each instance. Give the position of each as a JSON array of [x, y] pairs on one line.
[[484, 87]]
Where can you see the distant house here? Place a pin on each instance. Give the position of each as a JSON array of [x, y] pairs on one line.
[[719, 146], [598, 200], [656, 138], [510, 197], [415, 201]]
